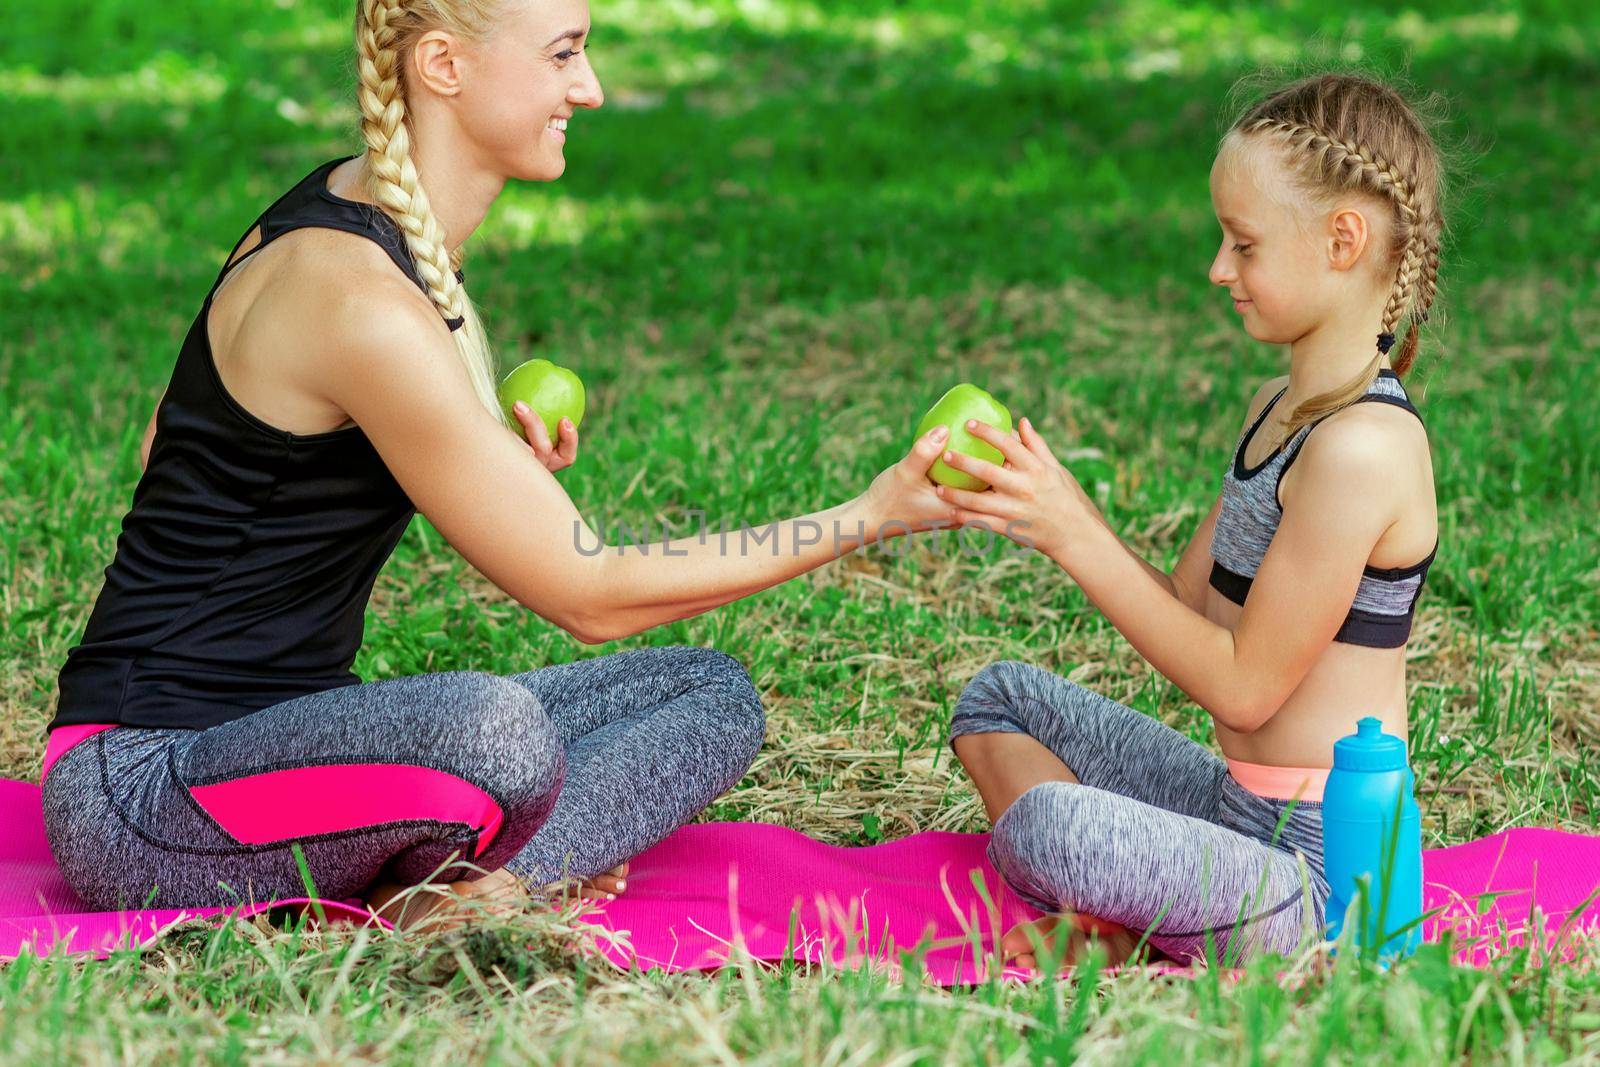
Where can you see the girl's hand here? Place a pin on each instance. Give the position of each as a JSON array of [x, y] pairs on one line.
[[1033, 499], [901, 499], [555, 457]]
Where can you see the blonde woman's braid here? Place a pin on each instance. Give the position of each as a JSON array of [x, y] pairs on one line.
[[1429, 282], [1341, 160], [395, 184], [1407, 277], [384, 32]]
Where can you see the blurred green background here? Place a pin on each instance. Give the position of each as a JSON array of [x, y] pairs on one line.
[[793, 226]]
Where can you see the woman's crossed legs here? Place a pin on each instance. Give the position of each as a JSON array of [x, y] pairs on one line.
[[559, 773]]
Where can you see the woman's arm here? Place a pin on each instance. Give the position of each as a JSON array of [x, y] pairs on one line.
[[150, 434], [395, 372], [1343, 503]]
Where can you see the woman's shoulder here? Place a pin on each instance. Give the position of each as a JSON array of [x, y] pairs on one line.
[[332, 305], [351, 274], [347, 290], [1371, 434]]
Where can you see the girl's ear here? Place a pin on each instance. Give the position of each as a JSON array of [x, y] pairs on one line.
[[1347, 238]]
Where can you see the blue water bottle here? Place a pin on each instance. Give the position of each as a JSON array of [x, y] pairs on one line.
[[1372, 836]]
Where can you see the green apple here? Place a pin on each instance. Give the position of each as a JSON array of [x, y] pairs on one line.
[[963, 402], [551, 391]]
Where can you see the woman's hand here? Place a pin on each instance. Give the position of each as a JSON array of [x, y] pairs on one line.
[[555, 457], [901, 499], [1033, 499]]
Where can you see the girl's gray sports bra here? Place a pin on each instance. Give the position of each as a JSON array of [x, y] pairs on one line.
[[1381, 615]]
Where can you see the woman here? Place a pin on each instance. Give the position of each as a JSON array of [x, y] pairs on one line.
[[209, 732]]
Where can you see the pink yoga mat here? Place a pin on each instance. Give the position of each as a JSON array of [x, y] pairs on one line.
[[39, 909], [789, 896], [716, 891]]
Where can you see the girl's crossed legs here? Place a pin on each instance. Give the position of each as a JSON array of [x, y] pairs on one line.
[[1102, 811], [562, 772]]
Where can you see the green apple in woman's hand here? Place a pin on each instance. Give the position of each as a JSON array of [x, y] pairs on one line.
[[552, 392], [963, 402]]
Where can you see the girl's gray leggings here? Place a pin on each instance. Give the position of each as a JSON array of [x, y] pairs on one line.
[[561, 772], [1157, 836]]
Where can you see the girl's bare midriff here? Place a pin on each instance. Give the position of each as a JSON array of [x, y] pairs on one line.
[[1346, 683]]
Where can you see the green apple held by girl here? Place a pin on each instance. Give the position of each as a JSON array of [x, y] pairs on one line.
[[961, 404]]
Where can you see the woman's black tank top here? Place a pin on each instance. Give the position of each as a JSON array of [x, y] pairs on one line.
[[243, 568]]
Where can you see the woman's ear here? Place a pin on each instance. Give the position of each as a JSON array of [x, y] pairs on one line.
[[1347, 238], [436, 62]]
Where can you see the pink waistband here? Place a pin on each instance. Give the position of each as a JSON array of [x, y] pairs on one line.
[[1280, 783], [64, 738]]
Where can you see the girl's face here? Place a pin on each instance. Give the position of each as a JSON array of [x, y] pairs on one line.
[[1273, 260], [524, 82]]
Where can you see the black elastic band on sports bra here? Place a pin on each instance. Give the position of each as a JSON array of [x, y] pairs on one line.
[[1240, 471], [1393, 401], [1368, 629], [1371, 630], [1400, 574], [1231, 585], [1236, 586]]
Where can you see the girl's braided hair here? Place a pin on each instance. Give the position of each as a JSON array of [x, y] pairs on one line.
[[1342, 134]]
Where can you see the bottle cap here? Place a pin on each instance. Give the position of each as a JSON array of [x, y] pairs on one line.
[[1369, 749]]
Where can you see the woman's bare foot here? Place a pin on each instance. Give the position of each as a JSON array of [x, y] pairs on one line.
[[605, 887], [1067, 937], [499, 893], [446, 906]]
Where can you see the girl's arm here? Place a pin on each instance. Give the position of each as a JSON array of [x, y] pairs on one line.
[[391, 367], [1344, 499], [1191, 576], [1187, 581]]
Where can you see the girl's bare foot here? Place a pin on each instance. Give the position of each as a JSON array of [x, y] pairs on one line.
[[1067, 937]]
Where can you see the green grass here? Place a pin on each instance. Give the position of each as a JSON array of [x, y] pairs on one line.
[[791, 228]]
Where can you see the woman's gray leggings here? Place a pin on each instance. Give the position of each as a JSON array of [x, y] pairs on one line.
[[1157, 837], [561, 772]]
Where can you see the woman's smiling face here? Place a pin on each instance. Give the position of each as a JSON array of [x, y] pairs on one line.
[[524, 82]]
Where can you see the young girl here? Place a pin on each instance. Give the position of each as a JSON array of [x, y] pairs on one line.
[[1287, 616], [209, 732]]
